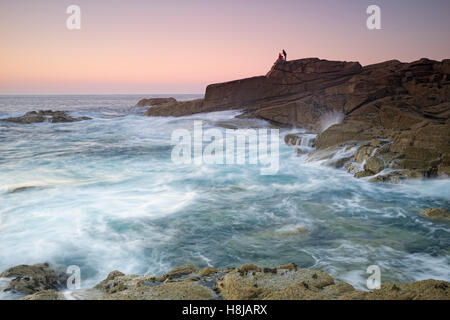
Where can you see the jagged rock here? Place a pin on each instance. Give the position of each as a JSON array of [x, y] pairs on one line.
[[363, 153], [268, 285], [291, 139], [176, 108], [285, 82], [183, 290], [386, 178], [437, 214], [45, 115], [289, 266], [363, 174], [376, 143], [248, 268], [45, 295], [343, 133], [334, 156], [299, 151], [374, 165], [392, 177], [414, 174], [31, 279], [420, 290], [109, 284], [352, 167], [206, 271], [299, 139], [181, 271], [155, 101]]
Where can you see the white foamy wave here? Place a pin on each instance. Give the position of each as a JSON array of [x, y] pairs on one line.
[[330, 118]]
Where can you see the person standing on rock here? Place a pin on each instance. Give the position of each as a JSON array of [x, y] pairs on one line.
[[285, 55]]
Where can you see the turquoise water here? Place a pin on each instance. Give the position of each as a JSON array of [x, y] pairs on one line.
[[105, 195]]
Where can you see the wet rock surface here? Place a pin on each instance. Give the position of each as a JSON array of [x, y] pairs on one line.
[[438, 214], [155, 101], [45, 295], [32, 279], [45, 116], [247, 282], [175, 108]]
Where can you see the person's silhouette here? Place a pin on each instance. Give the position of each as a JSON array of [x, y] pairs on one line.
[[284, 54]]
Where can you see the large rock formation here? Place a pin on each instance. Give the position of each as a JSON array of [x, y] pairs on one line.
[[299, 92], [407, 109], [404, 107], [284, 84]]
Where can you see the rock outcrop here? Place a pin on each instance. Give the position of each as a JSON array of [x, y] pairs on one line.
[[28, 279], [248, 282], [285, 83], [402, 107], [407, 109], [281, 90], [45, 116], [155, 102]]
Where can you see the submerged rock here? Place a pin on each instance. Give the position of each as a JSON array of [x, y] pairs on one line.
[[22, 189], [437, 214], [45, 115]]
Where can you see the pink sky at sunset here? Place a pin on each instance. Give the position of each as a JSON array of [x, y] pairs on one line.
[[181, 46]]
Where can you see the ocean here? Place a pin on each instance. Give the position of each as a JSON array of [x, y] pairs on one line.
[[104, 195]]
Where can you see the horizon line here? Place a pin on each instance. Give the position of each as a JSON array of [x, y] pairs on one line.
[[96, 94]]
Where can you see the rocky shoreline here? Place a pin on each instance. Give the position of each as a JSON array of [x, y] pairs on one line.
[[386, 122], [248, 282]]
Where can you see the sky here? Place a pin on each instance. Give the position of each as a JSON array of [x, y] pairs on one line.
[[169, 46]]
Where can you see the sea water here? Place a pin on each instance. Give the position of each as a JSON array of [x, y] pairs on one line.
[[104, 195]]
